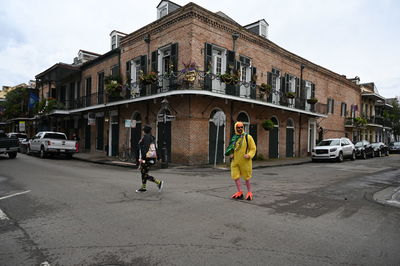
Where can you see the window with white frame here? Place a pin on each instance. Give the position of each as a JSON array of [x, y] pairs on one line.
[[331, 103], [343, 111], [276, 84], [218, 67], [291, 83], [162, 11], [245, 75]]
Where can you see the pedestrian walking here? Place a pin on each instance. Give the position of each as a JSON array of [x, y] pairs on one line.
[[241, 150], [147, 157]]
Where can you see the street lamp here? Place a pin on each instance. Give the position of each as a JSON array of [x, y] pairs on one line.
[[164, 159]]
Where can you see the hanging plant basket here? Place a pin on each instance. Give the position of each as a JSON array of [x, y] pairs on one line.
[[312, 101], [268, 124], [291, 95], [148, 79]]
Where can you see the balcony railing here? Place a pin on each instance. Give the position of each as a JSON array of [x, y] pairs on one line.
[[200, 81]]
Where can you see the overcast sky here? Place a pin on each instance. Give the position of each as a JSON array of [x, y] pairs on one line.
[[350, 37]]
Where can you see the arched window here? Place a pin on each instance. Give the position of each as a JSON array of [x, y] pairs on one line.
[[290, 123], [243, 117], [275, 120]]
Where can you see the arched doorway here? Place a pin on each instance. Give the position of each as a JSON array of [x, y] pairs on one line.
[[274, 139], [289, 138], [136, 133], [216, 147], [164, 134], [248, 127]]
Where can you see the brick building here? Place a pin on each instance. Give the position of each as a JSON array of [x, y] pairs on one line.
[[192, 51]]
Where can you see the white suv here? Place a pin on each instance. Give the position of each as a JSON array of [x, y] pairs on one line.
[[336, 149]]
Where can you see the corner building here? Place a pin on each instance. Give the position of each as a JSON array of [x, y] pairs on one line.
[[193, 103], [217, 44]]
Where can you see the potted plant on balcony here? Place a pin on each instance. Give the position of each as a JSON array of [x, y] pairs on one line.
[[312, 100], [291, 94], [264, 90], [230, 77], [148, 79], [113, 88], [360, 121], [268, 124]]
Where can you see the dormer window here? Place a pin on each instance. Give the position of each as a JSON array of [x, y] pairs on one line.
[[116, 37], [166, 7], [260, 27], [162, 11]]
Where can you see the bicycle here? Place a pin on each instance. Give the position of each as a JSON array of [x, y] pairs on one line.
[[126, 154]]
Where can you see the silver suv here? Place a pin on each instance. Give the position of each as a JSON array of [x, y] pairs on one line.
[[334, 149]]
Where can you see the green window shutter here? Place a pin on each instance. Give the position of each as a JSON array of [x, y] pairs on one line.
[[174, 56], [154, 61], [207, 66], [143, 63]]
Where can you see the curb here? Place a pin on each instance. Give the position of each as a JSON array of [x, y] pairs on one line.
[[131, 165], [388, 196]]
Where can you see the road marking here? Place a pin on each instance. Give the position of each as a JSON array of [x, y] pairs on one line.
[[3, 216], [16, 194]]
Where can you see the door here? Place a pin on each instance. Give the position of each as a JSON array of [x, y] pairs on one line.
[[87, 135], [274, 140], [213, 143], [218, 65], [114, 138], [100, 133], [289, 141], [253, 133], [164, 134]]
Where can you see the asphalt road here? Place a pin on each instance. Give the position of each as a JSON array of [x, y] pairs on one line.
[[68, 212]]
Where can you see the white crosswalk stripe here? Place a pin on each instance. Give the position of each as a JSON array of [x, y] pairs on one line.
[[3, 216]]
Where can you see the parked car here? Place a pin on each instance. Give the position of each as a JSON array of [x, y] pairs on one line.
[[364, 149], [8, 145], [334, 149], [380, 149], [394, 147], [20, 136], [23, 145], [48, 142]]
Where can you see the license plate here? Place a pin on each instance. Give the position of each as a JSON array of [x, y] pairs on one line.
[[62, 150]]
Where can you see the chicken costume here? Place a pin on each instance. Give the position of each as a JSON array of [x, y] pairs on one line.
[[241, 149]]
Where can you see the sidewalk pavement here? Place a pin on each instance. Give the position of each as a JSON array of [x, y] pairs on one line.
[[108, 160]]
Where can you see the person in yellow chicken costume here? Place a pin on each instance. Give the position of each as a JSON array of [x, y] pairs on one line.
[[241, 150]]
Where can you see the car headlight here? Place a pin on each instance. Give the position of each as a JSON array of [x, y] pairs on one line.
[[333, 149]]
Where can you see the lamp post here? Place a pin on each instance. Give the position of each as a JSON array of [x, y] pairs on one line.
[[164, 160]]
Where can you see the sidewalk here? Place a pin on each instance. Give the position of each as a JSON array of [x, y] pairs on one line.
[[102, 159]]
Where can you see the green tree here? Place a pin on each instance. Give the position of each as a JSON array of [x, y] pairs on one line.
[[394, 116], [16, 104]]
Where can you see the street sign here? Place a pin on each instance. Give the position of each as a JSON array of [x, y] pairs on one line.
[[219, 118], [160, 118]]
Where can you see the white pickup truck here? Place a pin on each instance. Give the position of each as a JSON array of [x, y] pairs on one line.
[[48, 142]]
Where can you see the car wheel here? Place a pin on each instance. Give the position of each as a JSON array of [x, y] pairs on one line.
[[364, 155], [42, 153], [353, 156], [12, 155], [340, 157]]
